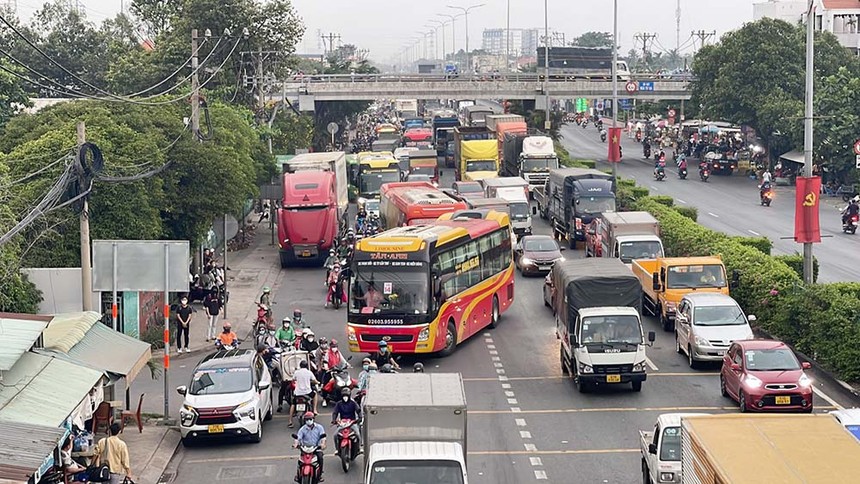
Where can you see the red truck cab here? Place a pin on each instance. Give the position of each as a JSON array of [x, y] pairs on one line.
[[308, 217]]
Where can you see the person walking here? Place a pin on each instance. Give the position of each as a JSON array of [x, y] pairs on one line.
[[114, 453], [213, 309], [183, 324]]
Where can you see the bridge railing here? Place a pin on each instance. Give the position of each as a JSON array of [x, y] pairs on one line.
[[306, 79]]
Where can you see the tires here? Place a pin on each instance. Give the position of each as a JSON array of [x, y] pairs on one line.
[[495, 315], [637, 386], [271, 407], [665, 322], [335, 302], [450, 340], [256, 438], [693, 363], [582, 386], [564, 370], [678, 344], [723, 391], [286, 259], [646, 476], [742, 401], [187, 442], [344, 459], [307, 480]]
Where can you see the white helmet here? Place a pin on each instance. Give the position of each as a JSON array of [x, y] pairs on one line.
[[856, 199]]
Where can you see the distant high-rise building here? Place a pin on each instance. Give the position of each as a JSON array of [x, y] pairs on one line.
[[523, 41]]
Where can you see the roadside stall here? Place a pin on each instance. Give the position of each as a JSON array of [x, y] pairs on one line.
[[28, 452]]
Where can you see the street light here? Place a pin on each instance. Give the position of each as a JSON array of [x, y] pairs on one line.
[[466, 11], [442, 25], [435, 30], [453, 19], [615, 79], [547, 122]]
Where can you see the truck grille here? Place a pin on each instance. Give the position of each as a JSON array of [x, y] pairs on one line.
[[537, 178], [392, 338], [216, 415], [613, 370]]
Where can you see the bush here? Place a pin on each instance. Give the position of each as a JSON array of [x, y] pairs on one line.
[[795, 261], [763, 244], [585, 163], [691, 213], [664, 200]]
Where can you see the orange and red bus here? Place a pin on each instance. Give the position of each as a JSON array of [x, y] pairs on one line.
[[427, 288], [414, 203]]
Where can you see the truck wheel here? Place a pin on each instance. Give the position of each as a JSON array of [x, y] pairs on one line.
[[646, 476], [495, 315], [564, 370], [637, 386], [285, 260], [666, 322], [450, 340], [582, 386]]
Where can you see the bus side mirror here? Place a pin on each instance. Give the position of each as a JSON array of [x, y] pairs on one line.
[[534, 210]]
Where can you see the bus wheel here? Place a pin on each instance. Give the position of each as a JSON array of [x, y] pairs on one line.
[[494, 316], [450, 340]]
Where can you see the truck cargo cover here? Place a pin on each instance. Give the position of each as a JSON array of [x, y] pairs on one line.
[[596, 282], [480, 149]]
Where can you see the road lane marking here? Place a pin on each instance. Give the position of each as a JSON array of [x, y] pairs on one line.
[[651, 364], [506, 386], [495, 358], [754, 233], [540, 475], [516, 410], [521, 422], [512, 401], [535, 461], [530, 447], [525, 434], [509, 394], [493, 352], [712, 214], [500, 371], [823, 395], [551, 452], [679, 200], [559, 377], [498, 364], [655, 188]]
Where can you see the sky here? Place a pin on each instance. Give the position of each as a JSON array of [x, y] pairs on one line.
[[385, 27]]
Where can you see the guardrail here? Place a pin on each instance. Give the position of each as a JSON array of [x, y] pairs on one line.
[[499, 77]]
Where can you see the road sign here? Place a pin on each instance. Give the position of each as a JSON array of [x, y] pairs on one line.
[[600, 105], [631, 87], [646, 85], [332, 127], [857, 147], [671, 113]]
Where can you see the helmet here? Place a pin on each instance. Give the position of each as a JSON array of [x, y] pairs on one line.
[[387, 368], [345, 391], [307, 332], [331, 252], [323, 340], [856, 199], [297, 314], [266, 289], [366, 361], [418, 367], [286, 321], [303, 364], [308, 415], [372, 366], [227, 326], [333, 342], [261, 347], [383, 344]]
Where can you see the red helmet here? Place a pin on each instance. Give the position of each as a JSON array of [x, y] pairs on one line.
[[308, 415]]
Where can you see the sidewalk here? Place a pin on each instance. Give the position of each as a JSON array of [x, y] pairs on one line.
[[150, 451]]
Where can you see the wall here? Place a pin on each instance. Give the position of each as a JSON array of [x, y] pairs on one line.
[[61, 289]]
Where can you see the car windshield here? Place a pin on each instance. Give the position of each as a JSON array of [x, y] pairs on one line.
[[718, 316], [390, 287], [670, 446], [777, 359], [540, 245], [218, 381], [539, 164], [469, 188], [611, 329], [643, 249], [371, 182], [595, 204], [481, 165], [696, 276], [519, 211], [416, 472], [372, 205], [423, 170], [413, 177]]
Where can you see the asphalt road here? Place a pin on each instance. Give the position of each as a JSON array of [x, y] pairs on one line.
[[526, 422], [730, 204]]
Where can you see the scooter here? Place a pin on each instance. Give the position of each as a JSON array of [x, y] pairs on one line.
[[335, 296], [704, 174], [302, 402], [339, 379], [659, 173], [308, 471], [603, 136], [346, 443], [647, 152], [263, 317], [766, 196], [850, 224], [682, 173]]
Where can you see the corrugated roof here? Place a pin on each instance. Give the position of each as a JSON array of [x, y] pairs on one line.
[[18, 332], [104, 348], [24, 447], [67, 330], [44, 390]]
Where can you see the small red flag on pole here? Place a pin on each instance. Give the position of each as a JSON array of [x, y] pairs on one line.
[[614, 145], [806, 227]]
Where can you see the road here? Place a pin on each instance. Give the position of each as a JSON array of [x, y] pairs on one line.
[[730, 204], [526, 422]]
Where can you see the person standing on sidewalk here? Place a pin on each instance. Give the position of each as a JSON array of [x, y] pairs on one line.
[[213, 309], [114, 453], [183, 324]]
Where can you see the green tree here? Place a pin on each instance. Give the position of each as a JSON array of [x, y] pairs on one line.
[[535, 118], [594, 39], [836, 99], [12, 93], [17, 293], [338, 111]]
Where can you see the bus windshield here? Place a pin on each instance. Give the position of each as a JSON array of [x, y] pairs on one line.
[[373, 181], [481, 165], [390, 287]]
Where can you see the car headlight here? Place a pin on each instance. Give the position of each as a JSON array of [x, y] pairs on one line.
[[804, 381], [424, 334], [350, 334], [526, 261], [667, 476], [752, 381], [246, 409], [560, 259], [702, 341], [583, 368], [639, 366], [187, 414]]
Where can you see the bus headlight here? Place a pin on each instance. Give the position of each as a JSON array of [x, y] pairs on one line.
[[424, 334], [350, 334]]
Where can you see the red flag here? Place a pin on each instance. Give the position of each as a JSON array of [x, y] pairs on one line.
[[614, 145], [806, 228]]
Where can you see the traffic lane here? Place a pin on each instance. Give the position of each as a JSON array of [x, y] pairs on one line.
[[720, 200]]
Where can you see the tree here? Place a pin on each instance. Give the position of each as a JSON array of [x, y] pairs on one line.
[[338, 111], [12, 93], [535, 118], [594, 39]]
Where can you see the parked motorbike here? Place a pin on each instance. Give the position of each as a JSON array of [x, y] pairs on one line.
[[346, 443], [309, 470], [850, 224]]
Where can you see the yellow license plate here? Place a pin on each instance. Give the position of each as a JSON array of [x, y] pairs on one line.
[[613, 378], [783, 400], [216, 429], [306, 253]]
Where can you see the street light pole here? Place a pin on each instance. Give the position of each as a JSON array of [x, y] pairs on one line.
[[466, 14], [615, 78], [547, 123], [508, 38], [453, 19], [807, 125], [442, 25]]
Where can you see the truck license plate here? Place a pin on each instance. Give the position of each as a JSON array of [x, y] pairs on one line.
[[613, 378], [300, 407], [306, 253], [783, 400], [216, 429]]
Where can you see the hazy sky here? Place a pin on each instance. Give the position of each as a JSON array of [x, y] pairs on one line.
[[386, 26]]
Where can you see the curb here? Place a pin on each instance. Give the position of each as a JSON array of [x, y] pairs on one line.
[[153, 470]]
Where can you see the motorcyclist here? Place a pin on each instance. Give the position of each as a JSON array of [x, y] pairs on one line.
[[298, 320], [682, 162], [312, 435], [360, 219], [851, 210], [660, 168], [268, 354], [384, 356], [227, 336], [646, 147], [364, 376], [602, 134], [662, 156], [330, 262], [286, 335], [266, 297], [305, 381], [334, 279], [765, 178], [308, 342], [347, 409]]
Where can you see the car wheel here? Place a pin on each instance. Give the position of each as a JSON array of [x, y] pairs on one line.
[[494, 316], [271, 407], [678, 344], [723, 390], [582, 386], [564, 370], [637, 386], [187, 441], [256, 438], [742, 401], [545, 302], [690, 359], [450, 340]]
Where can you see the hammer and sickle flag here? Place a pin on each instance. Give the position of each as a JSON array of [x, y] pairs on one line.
[[614, 145], [806, 227]]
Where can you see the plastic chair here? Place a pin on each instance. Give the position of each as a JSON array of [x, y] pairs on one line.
[[102, 415], [127, 414]]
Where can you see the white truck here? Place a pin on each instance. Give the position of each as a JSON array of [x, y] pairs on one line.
[[406, 108], [624, 235], [661, 449], [415, 429], [515, 190], [597, 303]]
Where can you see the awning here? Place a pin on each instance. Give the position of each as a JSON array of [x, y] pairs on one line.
[[18, 332], [82, 338], [793, 156], [44, 390], [27, 450]]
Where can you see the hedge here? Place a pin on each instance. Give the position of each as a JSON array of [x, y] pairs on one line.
[[691, 213], [763, 244], [795, 261]]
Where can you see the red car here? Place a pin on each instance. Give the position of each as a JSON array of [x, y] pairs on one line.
[[764, 375]]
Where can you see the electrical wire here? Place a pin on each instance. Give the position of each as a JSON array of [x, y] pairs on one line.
[[46, 204], [150, 173], [189, 76], [181, 66], [37, 172], [36, 83]]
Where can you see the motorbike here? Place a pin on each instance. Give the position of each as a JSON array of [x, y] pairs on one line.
[[263, 316], [308, 471], [647, 152], [603, 136], [302, 404], [638, 136], [346, 443], [336, 295], [682, 173], [766, 196], [850, 224], [221, 346], [704, 174], [338, 380], [659, 173]]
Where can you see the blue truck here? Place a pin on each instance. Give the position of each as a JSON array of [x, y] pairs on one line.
[[444, 123]]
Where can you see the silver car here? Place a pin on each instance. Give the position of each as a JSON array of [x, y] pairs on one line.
[[706, 324]]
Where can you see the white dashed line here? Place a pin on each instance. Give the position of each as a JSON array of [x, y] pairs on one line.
[[506, 386], [525, 434], [530, 447], [488, 334], [498, 364], [655, 188], [495, 358], [503, 378], [754, 232], [516, 410], [521, 422], [679, 200], [540, 475], [500, 371], [509, 394], [535, 461], [712, 214], [651, 364], [491, 347], [494, 352], [513, 401]]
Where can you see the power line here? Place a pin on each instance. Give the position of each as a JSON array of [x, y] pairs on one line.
[[37, 172]]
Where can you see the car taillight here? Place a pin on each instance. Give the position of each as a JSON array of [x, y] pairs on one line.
[[578, 224]]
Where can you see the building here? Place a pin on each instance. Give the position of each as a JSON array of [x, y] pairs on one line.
[[523, 41], [840, 17]]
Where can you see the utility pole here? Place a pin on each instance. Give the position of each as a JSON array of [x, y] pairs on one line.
[[678, 29], [261, 102], [547, 123], [86, 260], [704, 36], [615, 81], [331, 37], [645, 38], [807, 126], [195, 86], [508, 38]]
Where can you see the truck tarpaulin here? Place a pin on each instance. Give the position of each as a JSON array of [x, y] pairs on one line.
[[596, 282], [480, 150], [806, 227]]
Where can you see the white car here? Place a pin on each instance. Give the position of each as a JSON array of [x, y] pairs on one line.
[[850, 419], [230, 395], [706, 324]]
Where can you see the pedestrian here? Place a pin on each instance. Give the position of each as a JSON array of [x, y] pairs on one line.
[[183, 325], [213, 309], [114, 453]]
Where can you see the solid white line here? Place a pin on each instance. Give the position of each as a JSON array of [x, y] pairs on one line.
[[540, 475], [530, 447], [826, 397], [655, 188], [525, 434], [679, 200], [535, 461], [754, 232], [712, 214], [521, 422], [651, 364]]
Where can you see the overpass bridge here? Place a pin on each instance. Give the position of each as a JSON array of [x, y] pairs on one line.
[[367, 87]]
